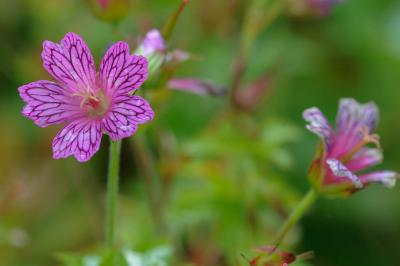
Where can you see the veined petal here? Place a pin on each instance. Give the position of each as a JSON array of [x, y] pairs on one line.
[[340, 170], [70, 62], [47, 103], [124, 116], [120, 72], [366, 157], [352, 115], [354, 121], [318, 124], [80, 138], [386, 178]]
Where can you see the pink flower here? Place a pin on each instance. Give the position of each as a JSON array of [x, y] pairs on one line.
[[89, 103], [343, 152], [152, 43]]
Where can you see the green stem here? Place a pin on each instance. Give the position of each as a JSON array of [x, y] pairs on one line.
[[112, 191], [171, 23], [295, 216]]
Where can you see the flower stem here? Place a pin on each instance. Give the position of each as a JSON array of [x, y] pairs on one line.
[[112, 191], [295, 216], [171, 23]]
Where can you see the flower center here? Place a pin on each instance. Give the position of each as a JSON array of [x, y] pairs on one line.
[[94, 104]]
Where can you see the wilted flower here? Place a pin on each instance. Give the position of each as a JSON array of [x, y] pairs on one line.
[[196, 86], [89, 103], [343, 152], [109, 10]]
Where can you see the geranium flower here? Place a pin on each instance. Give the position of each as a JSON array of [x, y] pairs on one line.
[[89, 103], [344, 152]]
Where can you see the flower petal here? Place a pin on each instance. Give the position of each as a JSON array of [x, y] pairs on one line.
[[196, 86], [47, 103], [318, 124], [80, 138], [364, 158], [339, 170], [125, 114], [386, 178], [120, 72], [152, 42], [352, 115], [70, 62]]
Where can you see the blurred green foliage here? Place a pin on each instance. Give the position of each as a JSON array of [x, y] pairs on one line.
[[207, 182]]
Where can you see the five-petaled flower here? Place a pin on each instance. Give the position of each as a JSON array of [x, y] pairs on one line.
[[343, 152], [89, 103]]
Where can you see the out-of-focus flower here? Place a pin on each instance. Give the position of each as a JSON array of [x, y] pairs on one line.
[[252, 95], [196, 86], [271, 256], [109, 10], [154, 48], [343, 152], [152, 43], [311, 8], [89, 103]]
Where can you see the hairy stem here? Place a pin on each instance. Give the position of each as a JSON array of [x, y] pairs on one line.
[[295, 216], [112, 191]]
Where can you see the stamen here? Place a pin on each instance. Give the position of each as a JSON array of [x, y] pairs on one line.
[[366, 138]]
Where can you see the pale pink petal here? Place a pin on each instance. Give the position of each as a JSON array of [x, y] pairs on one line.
[[319, 125], [120, 72], [341, 171], [124, 116], [366, 157], [47, 103], [80, 138], [386, 178], [152, 43], [196, 86], [70, 62]]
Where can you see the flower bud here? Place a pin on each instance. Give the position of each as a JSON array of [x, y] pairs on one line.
[[154, 49]]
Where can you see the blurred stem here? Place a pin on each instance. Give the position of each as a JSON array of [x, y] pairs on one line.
[[259, 15], [112, 191], [295, 216], [147, 168], [171, 23]]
